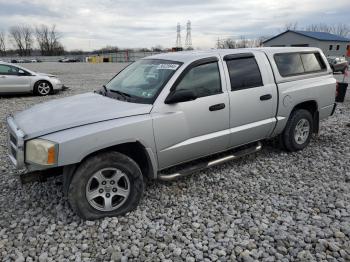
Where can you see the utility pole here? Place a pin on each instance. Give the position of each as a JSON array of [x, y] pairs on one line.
[[188, 43], [178, 37]]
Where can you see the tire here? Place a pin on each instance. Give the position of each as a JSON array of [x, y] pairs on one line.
[[293, 138], [42, 88], [85, 194]]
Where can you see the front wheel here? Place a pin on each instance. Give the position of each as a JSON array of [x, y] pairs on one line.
[[297, 134], [108, 184], [42, 88]]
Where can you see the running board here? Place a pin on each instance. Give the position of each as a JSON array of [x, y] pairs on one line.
[[205, 164]]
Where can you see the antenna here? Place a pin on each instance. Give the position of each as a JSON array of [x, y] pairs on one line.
[[188, 43], [178, 38]]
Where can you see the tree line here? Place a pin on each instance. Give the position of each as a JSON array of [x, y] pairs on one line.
[[337, 29], [24, 39]]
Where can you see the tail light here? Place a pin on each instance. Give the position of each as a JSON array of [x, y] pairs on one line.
[[337, 90]]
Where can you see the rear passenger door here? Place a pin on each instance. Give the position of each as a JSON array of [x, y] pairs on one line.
[[253, 97]]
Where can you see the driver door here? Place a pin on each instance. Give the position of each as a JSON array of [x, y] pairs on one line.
[[192, 129], [12, 80]]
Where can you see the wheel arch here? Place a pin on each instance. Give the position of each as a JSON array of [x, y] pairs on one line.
[[312, 107], [41, 80], [143, 156]]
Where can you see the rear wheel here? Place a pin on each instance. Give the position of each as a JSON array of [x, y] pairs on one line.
[[298, 131], [108, 184], [42, 88]]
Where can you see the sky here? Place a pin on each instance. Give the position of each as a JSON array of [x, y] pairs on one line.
[[93, 24]]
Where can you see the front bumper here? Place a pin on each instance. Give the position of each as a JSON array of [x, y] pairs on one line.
[[15, 140], [56, 84]]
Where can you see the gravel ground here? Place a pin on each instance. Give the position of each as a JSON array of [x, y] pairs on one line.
[[271, 206]]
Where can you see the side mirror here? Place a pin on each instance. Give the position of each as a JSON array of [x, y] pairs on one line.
[[181, 95]]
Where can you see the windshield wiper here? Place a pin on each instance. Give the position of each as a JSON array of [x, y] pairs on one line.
[[105, 90], [122, 94]]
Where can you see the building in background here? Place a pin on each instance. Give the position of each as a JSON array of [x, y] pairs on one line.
[[331, 45]]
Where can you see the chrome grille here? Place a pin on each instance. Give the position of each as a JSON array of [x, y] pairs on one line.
[[13, 139], [15, 143]]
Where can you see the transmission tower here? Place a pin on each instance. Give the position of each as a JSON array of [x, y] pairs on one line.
[[178, 38], [188, 43]]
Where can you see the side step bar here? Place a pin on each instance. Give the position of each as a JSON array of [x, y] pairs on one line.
[[199, 166]]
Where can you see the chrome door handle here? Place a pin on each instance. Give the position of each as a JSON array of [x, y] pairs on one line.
[[2, 76]]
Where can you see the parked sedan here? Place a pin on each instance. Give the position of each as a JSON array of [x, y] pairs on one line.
[[16, 79], [338, 64]]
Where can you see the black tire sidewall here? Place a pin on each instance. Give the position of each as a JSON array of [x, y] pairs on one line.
[[288, 135], [77, 187], [36, 91]]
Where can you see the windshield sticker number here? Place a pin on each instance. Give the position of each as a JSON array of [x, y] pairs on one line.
[[168, 66]]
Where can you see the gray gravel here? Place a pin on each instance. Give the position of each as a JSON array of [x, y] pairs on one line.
[[271, 206]]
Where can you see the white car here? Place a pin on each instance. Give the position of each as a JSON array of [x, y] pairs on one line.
[[16, 79]]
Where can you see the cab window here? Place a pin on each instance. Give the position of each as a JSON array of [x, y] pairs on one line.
[[244, 73], [203, 80]]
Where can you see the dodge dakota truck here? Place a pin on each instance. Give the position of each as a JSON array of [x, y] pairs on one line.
[[169, 115]]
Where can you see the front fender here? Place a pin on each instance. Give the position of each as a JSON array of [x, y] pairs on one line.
[[77, 143]]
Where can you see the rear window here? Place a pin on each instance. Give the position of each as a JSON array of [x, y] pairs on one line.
[[312, 62], [290, 64]]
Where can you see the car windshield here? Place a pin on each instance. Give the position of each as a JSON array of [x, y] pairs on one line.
[[142, 81]]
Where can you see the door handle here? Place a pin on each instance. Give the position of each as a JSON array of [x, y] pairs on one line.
[[217, 107], [265, 97], [2, 76]]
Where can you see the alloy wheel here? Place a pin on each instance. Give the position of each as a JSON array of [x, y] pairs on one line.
[[108, 189]]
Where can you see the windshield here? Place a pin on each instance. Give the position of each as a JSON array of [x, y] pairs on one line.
[[142, 81]]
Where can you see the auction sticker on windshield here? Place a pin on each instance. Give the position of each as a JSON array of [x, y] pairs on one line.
[[168, 66]]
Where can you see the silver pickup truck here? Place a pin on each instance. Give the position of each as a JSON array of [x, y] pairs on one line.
[[164, 111]]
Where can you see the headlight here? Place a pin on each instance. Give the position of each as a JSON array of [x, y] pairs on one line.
[[41, 152]]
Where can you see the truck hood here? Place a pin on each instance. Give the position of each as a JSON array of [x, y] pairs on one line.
[[64, 113]]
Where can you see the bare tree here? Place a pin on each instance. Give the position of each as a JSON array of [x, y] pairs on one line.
[[27, 33], [41, 35], [290, 26], [2, 43], [242, 42], [16, 38], [342, 30], [339, 29], [227, 43], [320, 28], [22, 38], [261, 39], [48, 40], [157, 48]]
